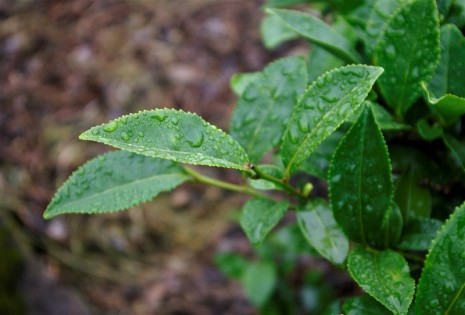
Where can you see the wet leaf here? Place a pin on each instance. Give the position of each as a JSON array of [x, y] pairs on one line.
[[259, 282], [391, 228], [263, 110], [409, 51], [259, 216], [317, 223], [173, 135], [114, 181], [318, 32], [383, 275], [419, 233], [240, 81], [457, 148], [383, 117], [360, 182], [364, 305], [274, 31], [327, 102], [442, 282]]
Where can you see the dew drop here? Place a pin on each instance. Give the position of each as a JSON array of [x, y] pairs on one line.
[[125, 136], [175, 121], [195, 139], [111, 126], [231, 141], [329, 99], [158, 116], [293, 135], [140, 134], [390, 51], [336, 178], [303, 123], [95, 131]]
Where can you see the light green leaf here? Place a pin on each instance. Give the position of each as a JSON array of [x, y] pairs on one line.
[[240, 81], [259, 217], [364, 305], [322, 232], [383, 275], [413, 200], [318, 163], [263, 110], [442, 282], [360, 183], [264, 184], [457, 148], [320, 61], [409, 51], [327, 102], [173, 135], [114, 181], [419, 233], [318, 32], [383, 117], [446, 91], [259, 282], [274, 31]]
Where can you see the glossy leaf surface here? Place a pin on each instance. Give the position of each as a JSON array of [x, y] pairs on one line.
[[259, 281], [419, 233], [317, 223], [383, 117], [409, 51], [264, 108], [259, 217], [383, 275], [327, 102], [457, 148], [318, 32], [173, 135], [391, 228], [274, 31], [360, 183], [114, 181], [364, 305], [442, 282]]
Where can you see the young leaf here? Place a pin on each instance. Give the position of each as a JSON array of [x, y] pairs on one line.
[[409, 51], [446, 91], [427, 131], [360, 183], [457, 148], [364, 305], [383, 275], [240, 81], [327, 102], [442, 282], [383, 117], [419, 233], [274, 31], [322, 232], [264, 108], [318, 32], [259, 217], [173, 135], [264, 184], [114, 181], [320, 61], [259, 282]]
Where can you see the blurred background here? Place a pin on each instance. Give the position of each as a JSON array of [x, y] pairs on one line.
[[68, 65]]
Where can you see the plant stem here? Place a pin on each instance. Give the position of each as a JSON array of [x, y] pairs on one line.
[[279, 182], [218, 183]]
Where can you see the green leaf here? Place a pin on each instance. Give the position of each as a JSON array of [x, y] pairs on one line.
[[274, 31], [360, 183], [263, 110], [442, 282], [231, 264], [446, 91], [383, 275], [427, 131], [322, 232], [264, 184], [364, 305], [327, 102], [318, 32], [409, 51], [320, 61], [318, 163], [259, 282], [383, 117], [114, 181], [419, 233], [240, 81], [457, 148], [173, 135], [283, 3], [443, 6], [413, 200], [259, 217], [391, 228]]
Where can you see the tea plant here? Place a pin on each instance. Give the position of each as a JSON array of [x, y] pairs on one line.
[[375, 110]]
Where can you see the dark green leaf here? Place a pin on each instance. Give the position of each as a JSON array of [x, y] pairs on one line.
[[318, 163], [318, 32], [263, 184], [283, 3], [240, 81], [231, 264], [391, 228], [427, 131], [274, 31], [114, 181], [419, 233], [442, 282], [320, 61], [443, 6], [173, 135], [383, 117], [259, 282], [259, 216], [360, 182], [263, 110], [322, 232], [457, 148], [409, 51], [364, 305], [413, 200], [327, 102], [383, 275]]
